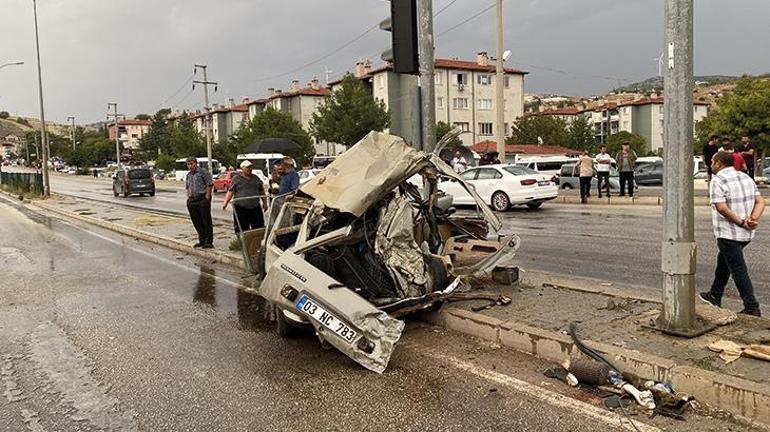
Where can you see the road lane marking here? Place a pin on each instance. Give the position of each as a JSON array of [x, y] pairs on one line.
[[530, 390]]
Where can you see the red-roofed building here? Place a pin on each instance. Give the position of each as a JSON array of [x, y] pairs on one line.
[[465, 95], [517, 150], [130, 132], [568, 115], [645, 117]]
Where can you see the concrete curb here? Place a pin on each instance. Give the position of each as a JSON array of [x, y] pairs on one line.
[[623, 201], [216, 255], [740, 397]]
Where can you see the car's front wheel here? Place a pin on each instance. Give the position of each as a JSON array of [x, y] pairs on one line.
[[566, 186], [500, 201], [283, 327]]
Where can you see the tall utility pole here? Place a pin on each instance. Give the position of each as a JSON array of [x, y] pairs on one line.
[[206, 83], [72, 131], [427, 80], [116, 117], [44, 137], [499, 86], [679, 252]]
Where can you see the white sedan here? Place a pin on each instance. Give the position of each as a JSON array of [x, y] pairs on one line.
[[503, 186]]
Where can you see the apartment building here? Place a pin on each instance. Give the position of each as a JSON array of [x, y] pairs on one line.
[[567, 115], [130, 132], [645, 117], [226, 120], [300, 103], [465, 93]]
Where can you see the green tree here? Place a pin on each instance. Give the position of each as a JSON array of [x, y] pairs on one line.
[[349, 114], [273, 124], [185, 141], [744, 112], [158, 138], [581, 134], [143, 117], [442, 129], [526, 130], [94, 150], [4, 114], [615, 142], [165, 162]]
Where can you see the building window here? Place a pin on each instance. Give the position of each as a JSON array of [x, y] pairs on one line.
[[464, 126], [485, 128], [660, 109], [438, 78], [507, 81], [625, 110], [484, 79], [625, 125], [381, 81], [484, 104], [461, 78], [507, 130], [440, 103], [460, 103]]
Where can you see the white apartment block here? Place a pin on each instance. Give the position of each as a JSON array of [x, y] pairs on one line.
[[465, 93], [645, 117], [130, 132]]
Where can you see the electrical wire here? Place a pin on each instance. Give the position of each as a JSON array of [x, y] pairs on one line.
[[169, 98], [465, 21], [444, 8]]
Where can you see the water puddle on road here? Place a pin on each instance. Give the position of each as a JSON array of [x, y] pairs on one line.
[[251, 311]]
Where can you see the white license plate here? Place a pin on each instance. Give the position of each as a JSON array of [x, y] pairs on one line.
[[312, 309], [544, 183]]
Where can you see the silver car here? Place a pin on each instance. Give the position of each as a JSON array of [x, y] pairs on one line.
[[358, 247]]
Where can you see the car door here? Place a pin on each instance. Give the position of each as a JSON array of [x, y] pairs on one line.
[[487, 182], [454, 188]]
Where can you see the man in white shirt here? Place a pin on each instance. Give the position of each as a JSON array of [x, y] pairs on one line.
[[736, 206], [459, 164], [603, 160]]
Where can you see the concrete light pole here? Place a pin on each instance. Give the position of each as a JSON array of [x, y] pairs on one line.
[[43, 136], [206, 83], [678, 254], [72, 131], [499, 86], [425, 50]]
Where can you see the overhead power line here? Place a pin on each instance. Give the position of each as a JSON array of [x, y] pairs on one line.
[[467, 20]]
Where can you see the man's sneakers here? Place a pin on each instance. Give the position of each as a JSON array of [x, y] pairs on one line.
[[197, 245], [752, 312], [208, 246], [706, 297]]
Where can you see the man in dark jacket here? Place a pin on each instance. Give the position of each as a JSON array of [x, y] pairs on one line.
[[626, 162], [709, 150]]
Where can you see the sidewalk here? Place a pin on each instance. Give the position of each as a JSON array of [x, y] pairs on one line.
[[609, 318]]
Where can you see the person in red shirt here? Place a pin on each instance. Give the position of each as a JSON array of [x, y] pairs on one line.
[[738, 162]]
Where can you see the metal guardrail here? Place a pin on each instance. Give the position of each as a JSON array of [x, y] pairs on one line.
[[23, 182]]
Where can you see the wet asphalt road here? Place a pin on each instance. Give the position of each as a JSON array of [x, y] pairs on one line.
[[100, 332], [618, 244]]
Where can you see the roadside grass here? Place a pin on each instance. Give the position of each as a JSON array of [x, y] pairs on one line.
[[21, 192]]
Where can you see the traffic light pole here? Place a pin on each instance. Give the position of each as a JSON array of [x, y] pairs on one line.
[[427, 73]]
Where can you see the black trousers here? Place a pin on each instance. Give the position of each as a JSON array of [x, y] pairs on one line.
[[248, 218], [200, 215], [585, 187], [603, 179], [730, 262], [750, 169], [627, 178]]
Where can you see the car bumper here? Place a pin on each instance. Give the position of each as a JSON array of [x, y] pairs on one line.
[[541, 194]]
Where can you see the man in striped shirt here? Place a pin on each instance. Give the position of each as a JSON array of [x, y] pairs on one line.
[[736, 206]]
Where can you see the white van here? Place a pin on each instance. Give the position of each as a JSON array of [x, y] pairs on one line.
[[180, 167], [550, 166]]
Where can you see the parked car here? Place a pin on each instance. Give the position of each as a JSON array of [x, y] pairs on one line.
[[503, 186], [568, 178], [358, 247], [223, 181], [649, 174], [550, 166], [307, 174], [128, 181]]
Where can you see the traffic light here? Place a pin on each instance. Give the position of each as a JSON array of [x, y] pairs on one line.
[[402, 25]]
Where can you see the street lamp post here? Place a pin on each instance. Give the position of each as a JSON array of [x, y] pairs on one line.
[[46, 181]]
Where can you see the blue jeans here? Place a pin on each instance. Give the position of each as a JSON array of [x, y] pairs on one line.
[[730, 262]]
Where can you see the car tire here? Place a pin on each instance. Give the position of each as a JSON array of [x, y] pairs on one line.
[[125, 193], [566, 186], [534, 205], [283, 327], [500, 201], [152, 193]]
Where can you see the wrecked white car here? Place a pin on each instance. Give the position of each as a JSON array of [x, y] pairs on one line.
[[358, 246]]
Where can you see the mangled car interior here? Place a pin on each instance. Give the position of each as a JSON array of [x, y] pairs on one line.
[[363, 244]]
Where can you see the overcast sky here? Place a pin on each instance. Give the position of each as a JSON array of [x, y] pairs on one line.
[[140, 53]]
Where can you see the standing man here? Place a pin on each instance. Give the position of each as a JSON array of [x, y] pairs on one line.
[[736, 207], [738, 162], [747, 150], [626, 160], [459, 165], [289, 177], [249, 190], [709, 150], [199, 185], [603, 160], [584, 168]]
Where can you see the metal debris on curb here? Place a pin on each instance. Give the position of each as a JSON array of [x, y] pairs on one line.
[[730, 351]]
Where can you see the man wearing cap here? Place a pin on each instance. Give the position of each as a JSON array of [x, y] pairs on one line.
[[289, 177], [199, 185], [248, 191]]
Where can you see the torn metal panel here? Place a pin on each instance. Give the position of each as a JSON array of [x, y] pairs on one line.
[[396, 245], [362, 175], [506, 250]]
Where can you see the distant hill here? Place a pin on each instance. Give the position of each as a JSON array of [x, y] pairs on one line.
[[10, 127], [656, 83]]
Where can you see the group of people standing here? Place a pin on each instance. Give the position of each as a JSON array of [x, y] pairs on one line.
[[247, 192], [625, 161], [743, 154]]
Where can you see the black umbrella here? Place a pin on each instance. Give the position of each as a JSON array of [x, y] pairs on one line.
[[273, 145]]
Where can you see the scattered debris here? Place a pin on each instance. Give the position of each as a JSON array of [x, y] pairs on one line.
[[505, 275], [731, 351], [717, 316]]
